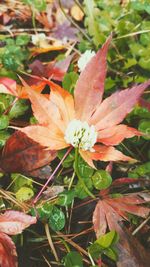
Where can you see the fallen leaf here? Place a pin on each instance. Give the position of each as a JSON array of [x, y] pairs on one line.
[[118, 207], [65, 32], [53, 191], [110, 212], [53, 70], [21, 154], [56, 113], [14, 222], [77, 13], [8, 254], [92, 84], [9, 86], [38, 50], [128, 251]]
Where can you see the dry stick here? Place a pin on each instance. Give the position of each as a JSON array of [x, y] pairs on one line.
[[73, 244], [51, 176], [141, 225], [5, 29], [51, 242], [8, 196], [46, 261]]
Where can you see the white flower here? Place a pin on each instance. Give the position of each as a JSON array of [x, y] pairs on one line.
[[84, 59], [39, 40], [80, 134]]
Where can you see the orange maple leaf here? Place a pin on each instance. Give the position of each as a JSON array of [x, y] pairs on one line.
[[56, 113], [9, 86]]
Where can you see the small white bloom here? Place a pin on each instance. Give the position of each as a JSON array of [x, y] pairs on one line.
[[39, 40], [84, 59], [80, 134]]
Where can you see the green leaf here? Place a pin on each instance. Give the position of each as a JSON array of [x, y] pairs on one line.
[[5, 102], [33, 120], [145, 38], [4, 122], [109, 83], [112, 254], [141, 112], [84, 169], [19, 181], [69, 81], [142, 170], [105, 245], [40, 5], [10, 41], [84, 45], [57, 219], [4, 135], [73, 259], [45, 211], [137, 49], [108, 239], [101, 179], [22, 39], [10, 61], [18, 109], [130, 62], [24, 194], [144, 62], [92, 22], [95, 251], [69, 160], [79, 190], [7, 73], [66, 198], [144, 127]]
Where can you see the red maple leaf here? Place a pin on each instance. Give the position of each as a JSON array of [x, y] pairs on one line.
[[11, 223]]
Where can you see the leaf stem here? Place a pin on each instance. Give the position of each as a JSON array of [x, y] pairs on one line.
[[51, 242], [71, 181], [79, 176], [51, 176]]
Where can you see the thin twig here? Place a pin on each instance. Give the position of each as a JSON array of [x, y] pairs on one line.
[[132, 34], [79, 5], [47, 261], [6, 29], [141, 225], [51, 176], [73, 244], [9, 197], [51, 242]]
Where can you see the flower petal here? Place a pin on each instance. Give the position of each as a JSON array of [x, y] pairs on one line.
[[114, 135], [114, 109], [64, 102], [49, 137], [108, 153], [90, 85]]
